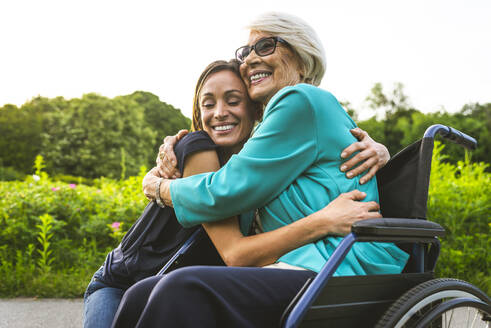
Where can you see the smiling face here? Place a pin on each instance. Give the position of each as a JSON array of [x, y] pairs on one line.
[[264, 76], [226, 110]]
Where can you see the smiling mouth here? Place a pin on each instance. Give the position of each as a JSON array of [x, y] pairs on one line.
[[224, 127], [258, 77]]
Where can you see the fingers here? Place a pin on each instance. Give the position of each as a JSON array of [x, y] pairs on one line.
[[168, 156], [164, 167], [161, 171], [370, 174], [168, 148], [169, 169], [362, 137], [159, 166], [171, 140], [358, 158], [372, 206], [366, 165], [168, 152], [367, 216], [355, 195], [181, 134], [351, 149], [358, 133], [168, 161], [374, 215]]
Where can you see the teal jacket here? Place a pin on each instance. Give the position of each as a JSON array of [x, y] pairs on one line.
[[289, 169]]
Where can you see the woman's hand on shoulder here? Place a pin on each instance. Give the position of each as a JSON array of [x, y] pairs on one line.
[[149, 183], [166, 158], [372, 156], [338, 217]]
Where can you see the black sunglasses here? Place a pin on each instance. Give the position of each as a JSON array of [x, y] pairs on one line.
[[262, 48]]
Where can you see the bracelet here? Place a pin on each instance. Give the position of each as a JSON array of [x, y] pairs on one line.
[[157, 193]]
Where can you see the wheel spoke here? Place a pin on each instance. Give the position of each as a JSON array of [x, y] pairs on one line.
[[451, 318], [475, 317]]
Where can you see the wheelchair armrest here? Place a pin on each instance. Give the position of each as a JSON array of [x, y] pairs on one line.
[[398, 227]]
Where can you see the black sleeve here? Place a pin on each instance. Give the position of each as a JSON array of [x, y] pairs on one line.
[[192, 142]]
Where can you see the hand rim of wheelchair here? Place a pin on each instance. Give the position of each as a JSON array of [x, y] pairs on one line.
[[440, 290]]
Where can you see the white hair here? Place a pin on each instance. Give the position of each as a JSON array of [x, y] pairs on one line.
[[301, 37]]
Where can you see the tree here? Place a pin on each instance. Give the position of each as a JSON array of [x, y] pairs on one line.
[[401, 125], [19, 144], [396, 116], [90, 137], [87, 138], [161, 117]]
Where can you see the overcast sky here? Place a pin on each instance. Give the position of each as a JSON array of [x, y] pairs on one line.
[[440, 50]]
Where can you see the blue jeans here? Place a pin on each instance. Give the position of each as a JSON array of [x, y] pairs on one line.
[[100, 303]]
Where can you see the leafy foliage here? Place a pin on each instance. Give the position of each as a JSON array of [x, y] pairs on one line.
[[460, 200], [89, 137], [82, 223], [56, 230], [50, 230], [401, 124]]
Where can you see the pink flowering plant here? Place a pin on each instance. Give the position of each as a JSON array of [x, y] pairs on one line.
[[82, 231], [116, 230], [87, 218]]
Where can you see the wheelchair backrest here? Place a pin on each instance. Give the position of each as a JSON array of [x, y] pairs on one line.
[[403, 183]]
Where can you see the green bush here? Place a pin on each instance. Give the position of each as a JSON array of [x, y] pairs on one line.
[[460, 200], [51, 230], [10, 174], [54, 235]]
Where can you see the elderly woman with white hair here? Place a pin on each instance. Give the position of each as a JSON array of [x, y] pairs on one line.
[[287, 170]]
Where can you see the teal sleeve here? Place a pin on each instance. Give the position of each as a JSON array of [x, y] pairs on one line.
[[283, 146]]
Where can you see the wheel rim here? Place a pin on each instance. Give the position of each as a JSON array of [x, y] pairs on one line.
[[452, 314], [468, 317], [447, 294]]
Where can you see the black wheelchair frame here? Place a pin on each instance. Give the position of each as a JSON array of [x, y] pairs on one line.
[[410, 299]]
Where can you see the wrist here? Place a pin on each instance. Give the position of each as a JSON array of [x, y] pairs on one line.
[[316, 226], [148, 186], [164, 192], [158, 199]]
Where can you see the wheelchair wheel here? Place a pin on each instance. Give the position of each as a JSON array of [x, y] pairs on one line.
[[439, 303]]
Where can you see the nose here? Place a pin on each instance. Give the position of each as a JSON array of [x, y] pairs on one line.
[[221, 111], [251, 58], [251, 61]]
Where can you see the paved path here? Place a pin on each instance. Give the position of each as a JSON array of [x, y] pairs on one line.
[[64, 313], [40, 313]]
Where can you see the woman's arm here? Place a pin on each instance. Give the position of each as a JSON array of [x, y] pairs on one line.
[[282, 148], [265, 248], [372, 156]]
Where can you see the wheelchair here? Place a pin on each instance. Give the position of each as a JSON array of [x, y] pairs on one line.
[[413, 298]]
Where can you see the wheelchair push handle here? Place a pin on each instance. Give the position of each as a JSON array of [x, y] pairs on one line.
[[452, 135]]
